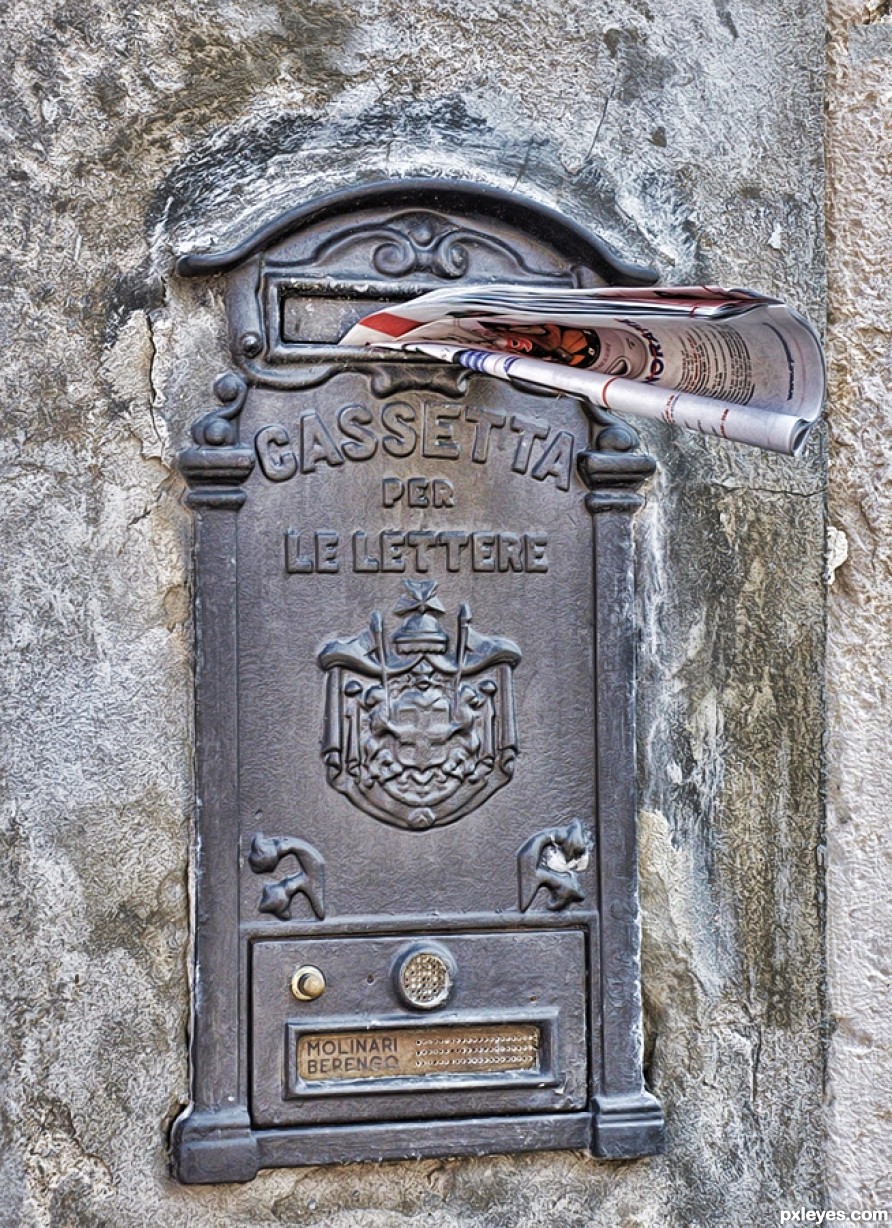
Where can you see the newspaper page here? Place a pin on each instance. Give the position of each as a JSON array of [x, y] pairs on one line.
[[730, 363]]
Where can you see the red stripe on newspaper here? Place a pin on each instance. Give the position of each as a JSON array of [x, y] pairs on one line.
[[669, 411], [387, 322], [604, 391], [725, 413]]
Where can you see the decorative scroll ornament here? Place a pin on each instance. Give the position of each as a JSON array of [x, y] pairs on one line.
[[553, 859], [419, 727], [219, 428], [267, 852], [422, 241]]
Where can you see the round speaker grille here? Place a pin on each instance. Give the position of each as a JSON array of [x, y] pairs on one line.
[[425, 979]]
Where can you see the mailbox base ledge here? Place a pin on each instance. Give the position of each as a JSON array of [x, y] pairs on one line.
[[424, 1139], [628, 1127], [208, 1148], [211, 1148]]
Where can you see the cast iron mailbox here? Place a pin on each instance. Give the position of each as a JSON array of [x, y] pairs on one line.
[[416, 927]]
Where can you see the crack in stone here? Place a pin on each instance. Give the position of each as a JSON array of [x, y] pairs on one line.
[[155, 391]]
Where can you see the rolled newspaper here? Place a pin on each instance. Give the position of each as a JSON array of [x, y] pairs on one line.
[[729, 363], [776, 432]]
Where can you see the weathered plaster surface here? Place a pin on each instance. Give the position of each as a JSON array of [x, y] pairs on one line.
[[859, 664], [689, 135]]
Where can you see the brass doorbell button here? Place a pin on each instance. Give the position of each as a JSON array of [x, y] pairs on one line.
[[308, 983]]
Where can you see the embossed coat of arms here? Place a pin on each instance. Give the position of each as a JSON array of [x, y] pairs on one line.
[[420, 727]]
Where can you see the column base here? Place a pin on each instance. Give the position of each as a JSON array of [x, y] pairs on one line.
[[628, 1126], [209, 1147]]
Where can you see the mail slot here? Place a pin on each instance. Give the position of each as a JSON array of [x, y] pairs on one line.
[[416, 926]]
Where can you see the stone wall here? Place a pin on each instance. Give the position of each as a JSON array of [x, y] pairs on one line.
[[689, 135], [859, 659]]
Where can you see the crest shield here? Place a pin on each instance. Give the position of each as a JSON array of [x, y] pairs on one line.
[[420, 726]]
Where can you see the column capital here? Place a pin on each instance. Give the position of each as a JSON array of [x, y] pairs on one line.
[[218, 464], [612, 469]]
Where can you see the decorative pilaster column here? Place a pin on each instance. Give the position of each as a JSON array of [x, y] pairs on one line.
[[212, 1141], [628, 1121]]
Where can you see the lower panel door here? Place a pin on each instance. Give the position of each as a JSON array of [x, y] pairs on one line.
[[413, 1027]]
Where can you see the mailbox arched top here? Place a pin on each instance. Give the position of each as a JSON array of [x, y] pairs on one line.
[[459, 198]]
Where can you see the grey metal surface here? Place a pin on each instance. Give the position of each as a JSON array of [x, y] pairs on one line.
[[415, 698], [528, 978]]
